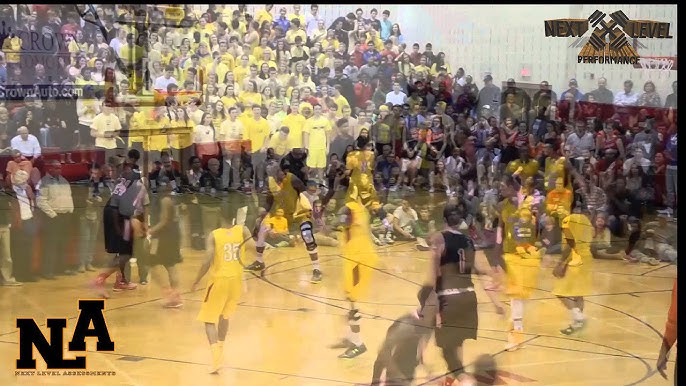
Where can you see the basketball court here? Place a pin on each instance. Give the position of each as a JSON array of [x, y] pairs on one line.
[[280, 334]]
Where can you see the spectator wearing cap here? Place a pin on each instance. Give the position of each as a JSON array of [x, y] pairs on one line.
[[489, 95], [54, 199], [574, 90]]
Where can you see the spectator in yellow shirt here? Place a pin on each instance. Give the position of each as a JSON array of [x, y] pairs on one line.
[[316, 135], [228, 59], [257, 132], [265, 15], [131, 53], [105, 129], [339, 99], [295, 123], [281, 142], [297, 15], [278, 235], [250, 96], [217, 67], [241, 71], [524, 167], [295, 31]]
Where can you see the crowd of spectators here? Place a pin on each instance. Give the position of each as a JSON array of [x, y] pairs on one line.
[[230, 95]]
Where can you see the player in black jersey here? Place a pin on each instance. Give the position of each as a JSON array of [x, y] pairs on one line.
[[454, 260]]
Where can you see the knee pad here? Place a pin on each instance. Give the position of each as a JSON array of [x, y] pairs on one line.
[[307, 234]]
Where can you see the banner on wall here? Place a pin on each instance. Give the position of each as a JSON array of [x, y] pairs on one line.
[[608, 42]]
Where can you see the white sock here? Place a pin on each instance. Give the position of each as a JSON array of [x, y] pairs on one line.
[[355, 338], [315, 265], [577, 315], [517, 313]]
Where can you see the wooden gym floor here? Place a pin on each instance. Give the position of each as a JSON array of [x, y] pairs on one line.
[[280, 333]]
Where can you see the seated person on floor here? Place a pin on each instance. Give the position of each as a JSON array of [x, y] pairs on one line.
[[602, 246], [661, 239], [635, 250], [404, 218], [423, 227], [382, 224], [278, 235]]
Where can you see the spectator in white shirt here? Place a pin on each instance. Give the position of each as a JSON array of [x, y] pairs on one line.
[[26, 143], [638, 159], [404, 218], [230, 136], [312, 19], [626, 97], [459, 75], [118, 42], [581, 143], [165, 80], [396, 97]]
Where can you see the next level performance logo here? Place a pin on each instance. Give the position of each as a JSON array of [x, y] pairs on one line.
[[608, 42]]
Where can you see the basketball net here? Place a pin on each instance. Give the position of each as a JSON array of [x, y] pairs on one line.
[[656, 65]]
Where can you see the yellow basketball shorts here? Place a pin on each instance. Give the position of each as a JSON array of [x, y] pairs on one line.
[[221, 299], [357, 278], [316, 158], [521, 275]]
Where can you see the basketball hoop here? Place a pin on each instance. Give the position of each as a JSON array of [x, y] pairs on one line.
[[661, 64]]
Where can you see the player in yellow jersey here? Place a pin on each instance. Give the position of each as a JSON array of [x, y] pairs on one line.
[[556, 167], [517, 288], [285, 192], [360, 169], [360, 258], [522, 270], [573, 273], [226, 248]]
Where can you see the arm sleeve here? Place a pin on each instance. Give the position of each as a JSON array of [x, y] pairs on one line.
[[670, 327]]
